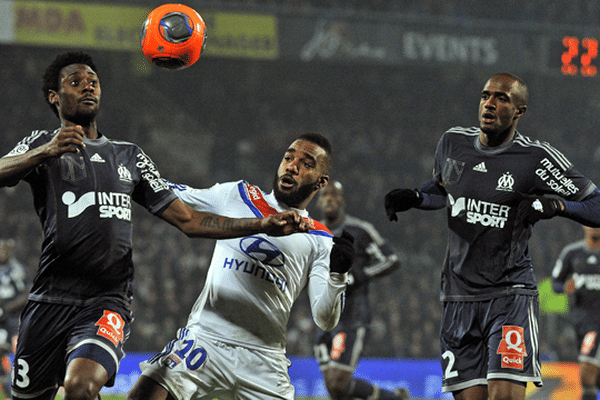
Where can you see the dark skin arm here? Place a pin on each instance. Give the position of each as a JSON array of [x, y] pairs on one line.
[[13, 169], [200, 224], [191, 222]]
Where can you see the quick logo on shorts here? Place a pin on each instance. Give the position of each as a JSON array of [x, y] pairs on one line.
[[338, 345], [588, 343], [111, 327], [512, 347]]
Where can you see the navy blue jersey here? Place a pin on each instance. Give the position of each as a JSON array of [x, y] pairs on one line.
[[487, 252], [578, 262], [374, 258], [84, 203]]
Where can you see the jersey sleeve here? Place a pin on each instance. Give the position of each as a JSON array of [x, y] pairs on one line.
[[557, 176], [379, 257], [36, 139], [206, 200], [151, 191], [325, 289]]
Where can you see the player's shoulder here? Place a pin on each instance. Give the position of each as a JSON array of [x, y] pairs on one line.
[[354, 223], [360, 227], [319, 229], [526, 141], [219, 186], [575, 247], [119, 143], [543, 148], [470, 131], [34, 139], [458, 135]]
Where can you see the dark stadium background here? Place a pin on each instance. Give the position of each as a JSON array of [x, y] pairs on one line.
[[382, 79]]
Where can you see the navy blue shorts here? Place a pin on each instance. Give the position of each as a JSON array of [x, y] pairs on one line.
[[491, 339], [587, 331], [340, 348], [53, 334]]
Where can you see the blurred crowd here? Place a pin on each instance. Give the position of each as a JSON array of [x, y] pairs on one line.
[[228, 119]]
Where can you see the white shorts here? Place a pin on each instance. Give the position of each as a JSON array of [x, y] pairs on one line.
[[193, 367]]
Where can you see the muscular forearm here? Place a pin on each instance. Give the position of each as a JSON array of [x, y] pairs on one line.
[[13, 169], [196, 223], [217, 227]]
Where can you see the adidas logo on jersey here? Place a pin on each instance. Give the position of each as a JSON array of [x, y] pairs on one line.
[[480, 167], [96, 158]]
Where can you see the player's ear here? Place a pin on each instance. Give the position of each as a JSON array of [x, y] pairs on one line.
[[323, 181], [521, 110], [53, 97]]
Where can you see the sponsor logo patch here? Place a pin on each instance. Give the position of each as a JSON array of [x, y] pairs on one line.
[[588, 343], [338, 345], [512, 347], [111, 327]]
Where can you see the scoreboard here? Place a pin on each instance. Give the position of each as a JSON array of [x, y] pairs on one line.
[[576, 56]]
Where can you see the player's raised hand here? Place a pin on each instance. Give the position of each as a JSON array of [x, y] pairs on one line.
[[399, 200], [68, 139], [284, 223], [342, 254]]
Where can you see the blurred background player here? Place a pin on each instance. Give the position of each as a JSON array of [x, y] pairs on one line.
[[577, 273], [14, 289], [338, 351]]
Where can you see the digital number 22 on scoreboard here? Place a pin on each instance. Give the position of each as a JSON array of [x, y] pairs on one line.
[[578, 56]]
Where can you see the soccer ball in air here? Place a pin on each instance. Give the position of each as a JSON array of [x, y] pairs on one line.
[[173, 36]]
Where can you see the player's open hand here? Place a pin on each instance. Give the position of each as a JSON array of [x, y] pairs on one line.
[[68, 139], [284, 223]]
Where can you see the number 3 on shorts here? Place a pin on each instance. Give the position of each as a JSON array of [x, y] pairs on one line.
[[20, 377]]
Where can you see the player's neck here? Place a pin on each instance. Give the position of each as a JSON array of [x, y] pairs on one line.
[[334, 222], [593, 244], [495, 140]]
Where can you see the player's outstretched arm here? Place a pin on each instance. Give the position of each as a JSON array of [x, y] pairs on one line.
[[534, 208], [431, 196], [206, 225]]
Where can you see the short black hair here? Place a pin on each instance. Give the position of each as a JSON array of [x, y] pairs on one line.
[[522, 88], [51, 77], [323, 143]]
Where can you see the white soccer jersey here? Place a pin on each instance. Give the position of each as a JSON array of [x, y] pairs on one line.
[[253, 281]]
